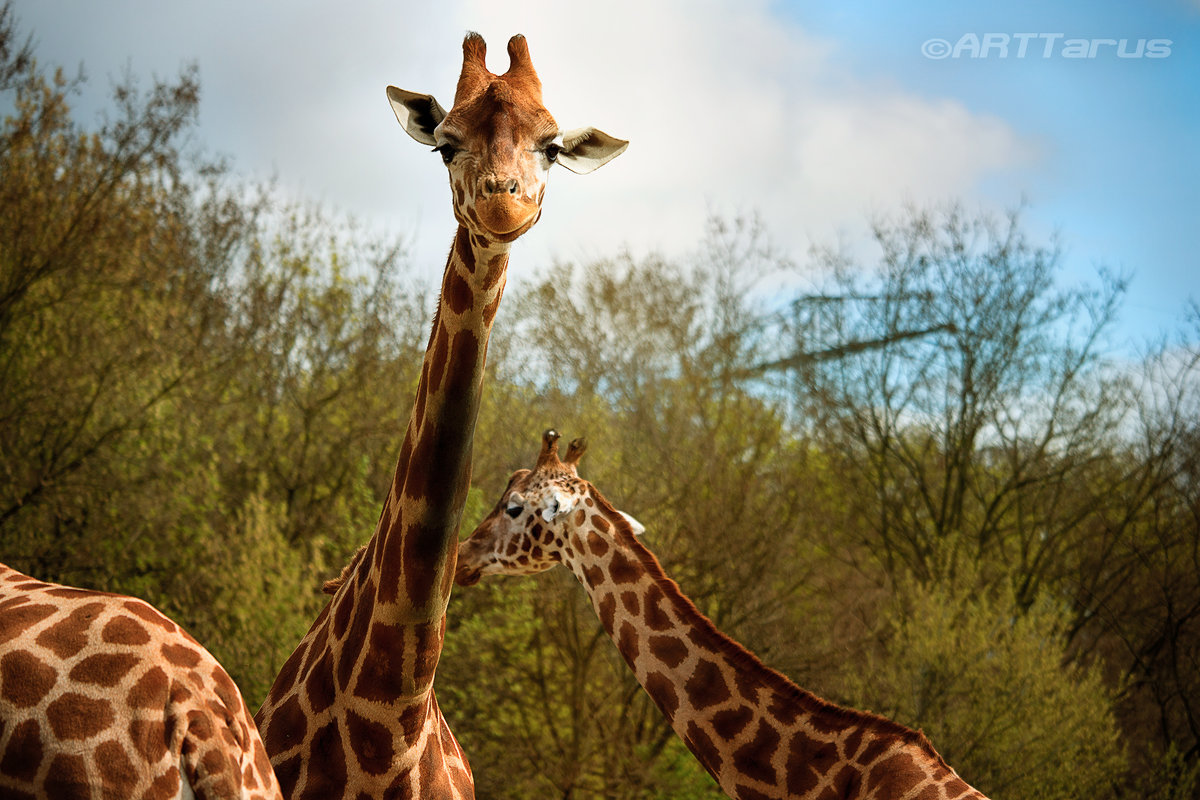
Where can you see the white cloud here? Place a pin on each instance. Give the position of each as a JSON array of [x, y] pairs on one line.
[[870, 149], [736, 112], [727, 110]]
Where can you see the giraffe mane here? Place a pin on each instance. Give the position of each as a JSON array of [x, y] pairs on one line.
[[743, 658], [332, 585]]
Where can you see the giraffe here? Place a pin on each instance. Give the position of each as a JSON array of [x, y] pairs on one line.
[[101, 696], [352, 713], [758, 734]]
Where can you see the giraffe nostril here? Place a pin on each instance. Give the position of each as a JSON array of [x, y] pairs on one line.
[[493, 185]]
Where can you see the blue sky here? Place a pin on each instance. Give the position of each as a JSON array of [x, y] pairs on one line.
[[1120, 175], [813, 115]]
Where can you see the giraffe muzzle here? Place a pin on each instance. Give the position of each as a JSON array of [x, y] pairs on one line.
[[464, 576], [504, 214]]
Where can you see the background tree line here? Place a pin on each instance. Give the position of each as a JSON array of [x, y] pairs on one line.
[[990, 530]]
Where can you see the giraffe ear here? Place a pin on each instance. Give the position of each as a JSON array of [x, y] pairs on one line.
[[557, 505], [418, 114], [587, 149], [638, 528]]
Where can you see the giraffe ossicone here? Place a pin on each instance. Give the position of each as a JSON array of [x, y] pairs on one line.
[[756, 732], [103, 696], [352, 712]]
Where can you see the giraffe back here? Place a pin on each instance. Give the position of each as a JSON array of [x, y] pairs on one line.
[[102, 696]]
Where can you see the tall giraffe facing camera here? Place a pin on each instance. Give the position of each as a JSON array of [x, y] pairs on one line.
[[352, 713]]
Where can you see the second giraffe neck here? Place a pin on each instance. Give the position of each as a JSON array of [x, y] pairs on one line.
[[756, 732], [411, 553]]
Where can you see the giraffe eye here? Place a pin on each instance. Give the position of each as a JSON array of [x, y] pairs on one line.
[[448, 152], [552, 151], [513, 510]]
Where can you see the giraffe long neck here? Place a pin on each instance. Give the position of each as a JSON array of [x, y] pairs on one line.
[[757, 733], [363, 674], [412, 550]]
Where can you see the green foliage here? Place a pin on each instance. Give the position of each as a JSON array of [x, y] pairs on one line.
[[192, 368], [978, 427], [529, 680], [991, 685], [1171, 776], [251, 597], [205, 387]]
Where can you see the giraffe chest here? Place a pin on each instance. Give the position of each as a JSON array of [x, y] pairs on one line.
[[357, 752], [348, 717]]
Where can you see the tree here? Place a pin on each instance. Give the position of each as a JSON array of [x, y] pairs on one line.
[[1135, 581], [984, 677], [99, 320], [978, 430], [200, 378]]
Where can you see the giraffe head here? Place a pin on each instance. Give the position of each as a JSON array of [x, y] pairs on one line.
[[498, 141], [531, 528]]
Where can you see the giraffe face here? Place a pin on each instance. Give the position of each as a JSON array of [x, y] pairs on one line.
[[542, 516], [498, 170], [499, 142], [528, 530]]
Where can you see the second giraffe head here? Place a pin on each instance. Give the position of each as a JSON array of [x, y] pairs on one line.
[[546, 516]]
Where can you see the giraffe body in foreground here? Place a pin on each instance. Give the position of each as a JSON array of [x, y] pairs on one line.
[[101, 696], [352, 713], [757, 733]]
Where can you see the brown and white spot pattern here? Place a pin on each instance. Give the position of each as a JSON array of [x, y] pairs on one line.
[[101, 696], [759, 735], [352, 713]]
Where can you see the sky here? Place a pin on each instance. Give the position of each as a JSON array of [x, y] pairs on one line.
[[816, 117]]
